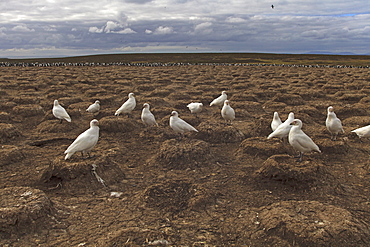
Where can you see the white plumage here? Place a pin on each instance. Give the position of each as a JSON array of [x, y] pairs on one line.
[[60, 113], [276, 121], [227, 112], [363, 132], [282, 131], [179, 125], [333, 124], [147, 117], [220, 100], [300, 141], [128, 106], [94, 108], [195, 107], [86, 141]]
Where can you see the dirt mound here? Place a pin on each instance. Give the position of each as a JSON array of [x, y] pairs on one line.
[[5, 117], [356, 121], [217, 132], [172, 196], [54, 126], [258, 127], [284, 169], [113, 124], [81, 177], [10, 154], [187, 153], [23, 210], [137, 236], [261, 147], [176, 196], [330, 147], [28, 111], [289, 99], [8, 131], [311, 223]]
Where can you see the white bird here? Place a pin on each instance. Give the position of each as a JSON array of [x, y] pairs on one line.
[[195, 107], [227, 112], [94, 108], [128, 106], [300, 141], [179, 125], [276, 121], [363, 132], [333, 124], [220, 100], [60, 113], [85, 142], [147, 117], [282, 131]]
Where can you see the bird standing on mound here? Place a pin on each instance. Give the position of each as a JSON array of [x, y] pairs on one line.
[[333, 124], [195, 108], [60, 113], [220, 100], [227, 112], [282, 131], [179, 125], [85, 142], [128, 106], [147, 117], [276, 121], [94, 108], [300, 141], [363, 132]]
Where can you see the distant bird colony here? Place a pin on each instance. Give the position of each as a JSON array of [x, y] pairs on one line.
[[288, 131]]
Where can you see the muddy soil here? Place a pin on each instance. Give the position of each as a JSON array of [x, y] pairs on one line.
[[224, 186]]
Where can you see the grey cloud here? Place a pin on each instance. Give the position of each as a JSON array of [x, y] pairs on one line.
[[138, 1], [293, 26], [22, 28]]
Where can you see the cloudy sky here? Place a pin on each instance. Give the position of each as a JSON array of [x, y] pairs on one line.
[[45, 28]]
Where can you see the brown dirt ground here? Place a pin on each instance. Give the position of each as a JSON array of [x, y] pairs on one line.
[[224, 186]]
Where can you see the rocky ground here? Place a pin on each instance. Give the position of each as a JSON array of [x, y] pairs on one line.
[[224, 186]]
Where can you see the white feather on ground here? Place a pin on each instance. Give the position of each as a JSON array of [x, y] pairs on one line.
[[333, 124], [147, 117], [128, 106], [60, 113], [179, 125], [282, 131], [363, 132], [276, 121], [300, 141], [220, 100], [85, 142], [227, 112], [94, 108], [195, 107]]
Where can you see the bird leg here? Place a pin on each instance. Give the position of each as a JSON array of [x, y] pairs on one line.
[[181, 136], [90, 156], [300, 157], [60, 121], [334, 137]]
